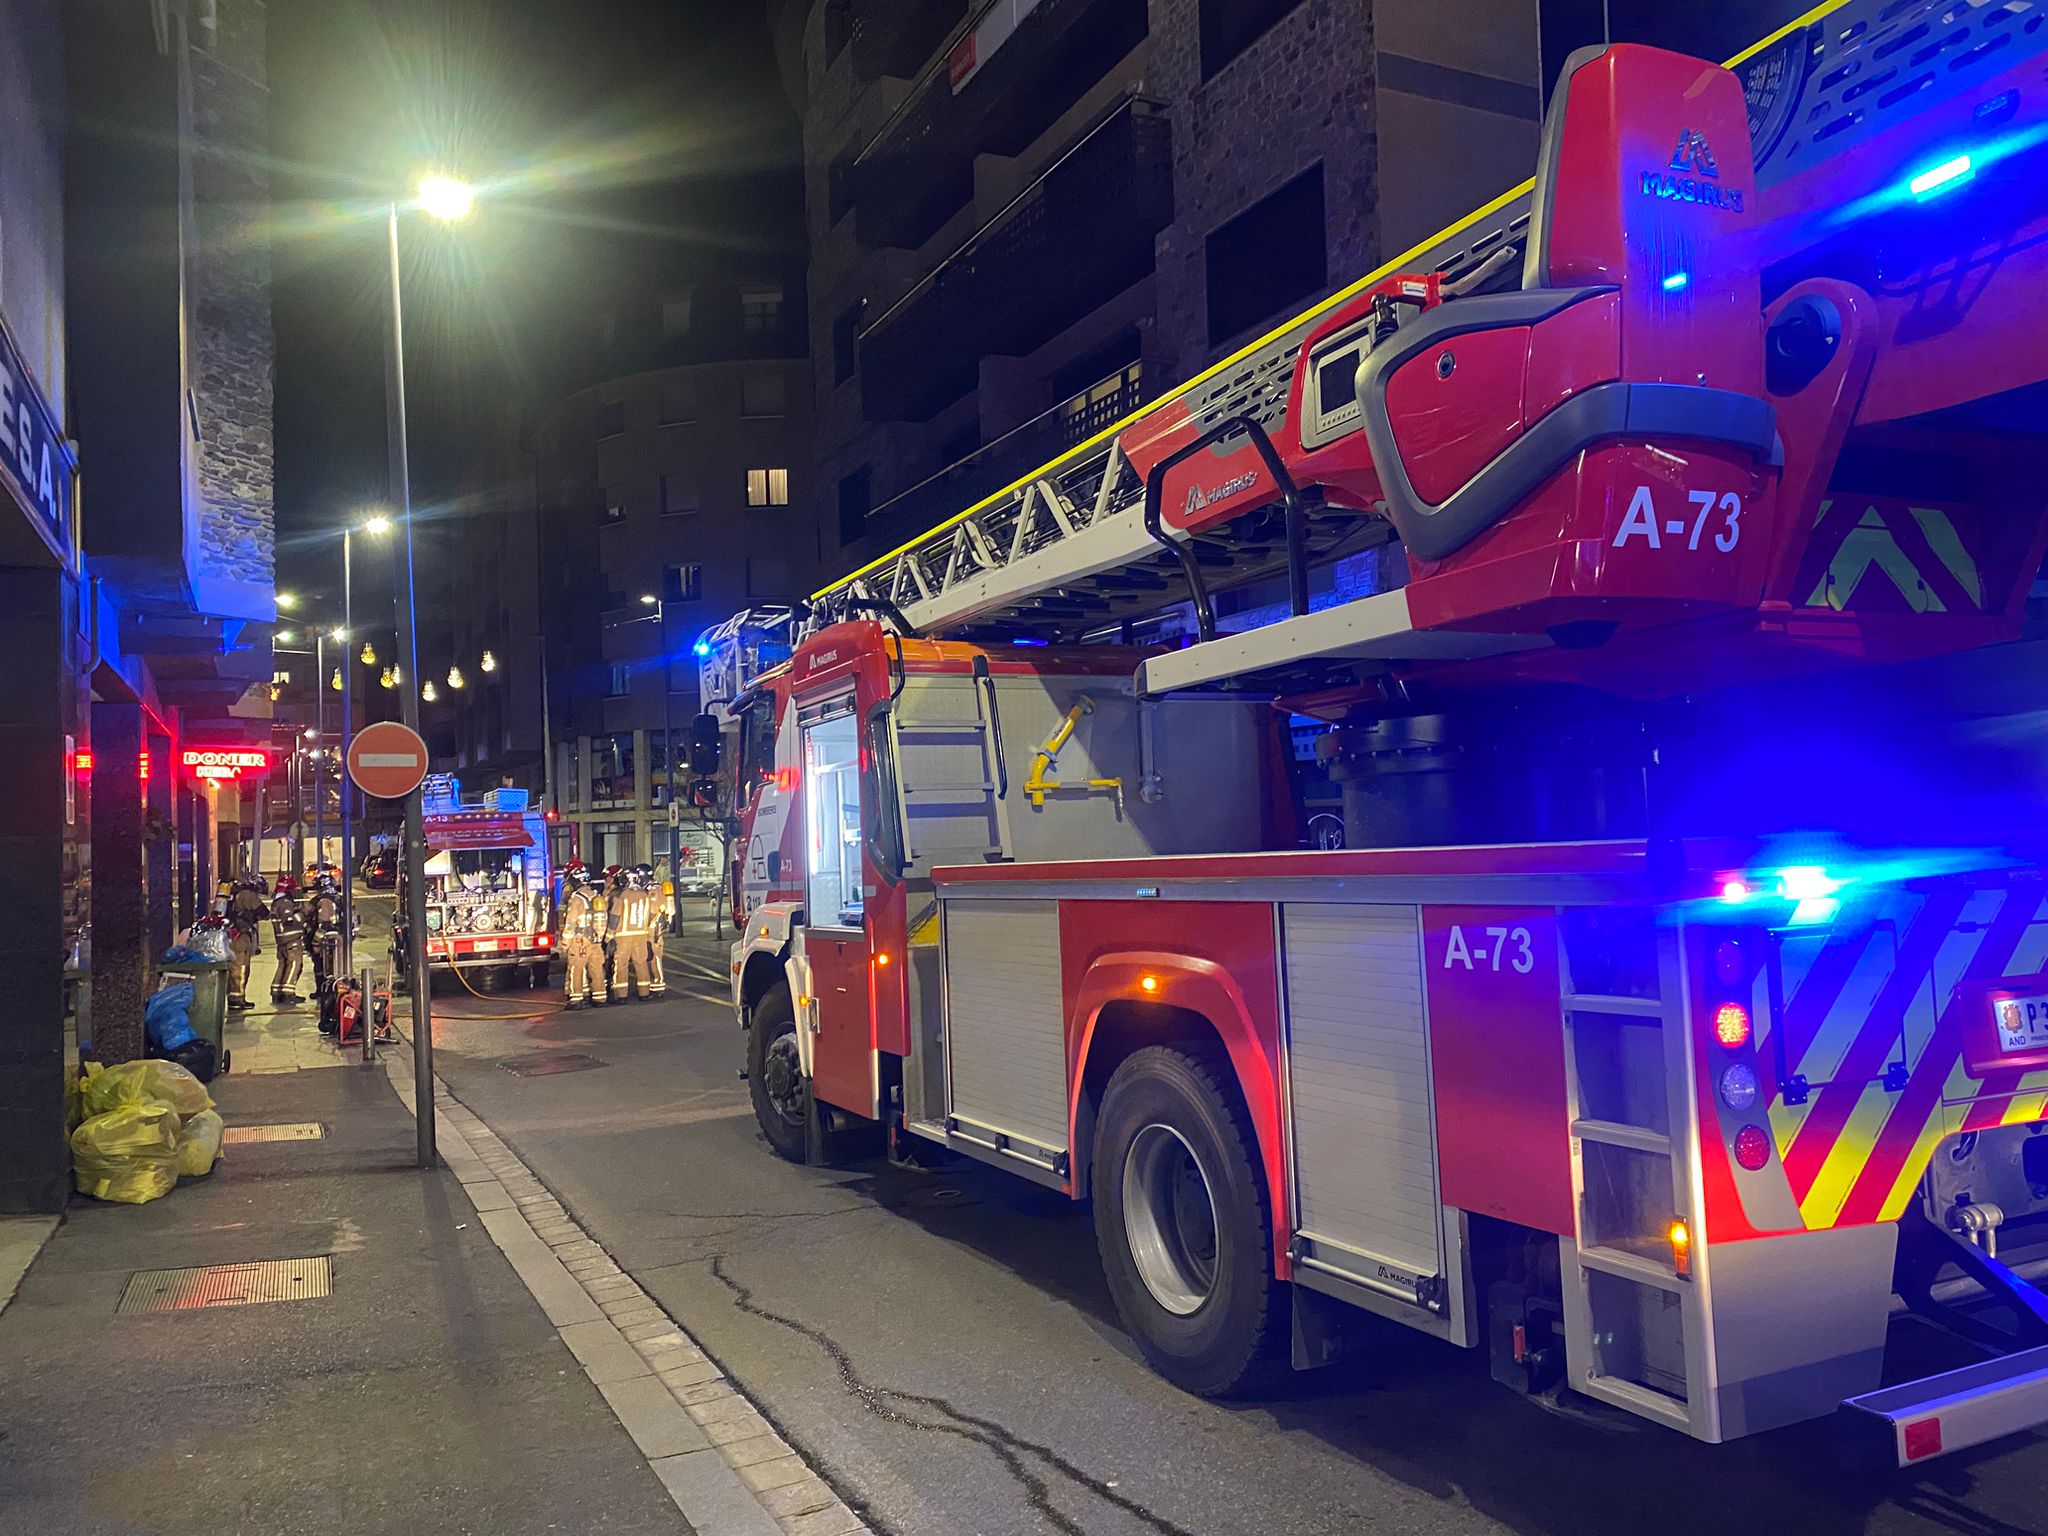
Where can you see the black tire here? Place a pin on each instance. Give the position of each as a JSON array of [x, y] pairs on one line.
[[782, 1101], [1173, 1125]]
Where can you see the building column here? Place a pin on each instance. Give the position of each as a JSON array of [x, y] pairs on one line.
[[159, 849], [189, 906], [202, 844], [120, 938], [35, 717]]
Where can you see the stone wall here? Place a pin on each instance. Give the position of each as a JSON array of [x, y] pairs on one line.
[[230, 276], [1301, 93]]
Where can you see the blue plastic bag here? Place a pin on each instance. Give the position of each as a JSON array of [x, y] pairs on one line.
[[167, 1017]]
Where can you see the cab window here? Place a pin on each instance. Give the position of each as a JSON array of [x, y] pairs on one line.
[[832, 821]]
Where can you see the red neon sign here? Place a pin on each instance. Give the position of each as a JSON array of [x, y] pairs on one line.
[[225, 762]]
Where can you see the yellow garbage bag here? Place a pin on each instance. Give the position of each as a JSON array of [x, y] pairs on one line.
[[74, 1094], [129, 1154], [199, 1144], [142, 1082]]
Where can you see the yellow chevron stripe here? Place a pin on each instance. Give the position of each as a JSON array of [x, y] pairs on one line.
[[1947, 544], [1942, 1119], [1871, 543], [1845, 1159]]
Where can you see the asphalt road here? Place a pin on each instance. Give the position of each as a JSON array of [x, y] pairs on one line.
[[943, 1347]]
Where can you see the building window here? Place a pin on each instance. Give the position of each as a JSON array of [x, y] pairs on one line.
[[767, 487], [613, 842], [856, 496], [682, 583], [611, 768], [675, 315], [678, 493], [1231, 26], [615, 503], [845, 341], [764, 394], [761, 306], [611, 418], [678, 402], [622, 684], [1268, 257]]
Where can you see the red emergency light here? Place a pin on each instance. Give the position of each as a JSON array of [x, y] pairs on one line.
[[225, 763]]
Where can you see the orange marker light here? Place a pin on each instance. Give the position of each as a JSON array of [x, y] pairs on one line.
[[1681, 1249], [882, 958], [1731, 1025], [1148, 983]]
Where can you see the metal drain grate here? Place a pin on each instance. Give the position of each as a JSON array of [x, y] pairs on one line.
[[296, 1130], [226, 1285], [548, 1065]]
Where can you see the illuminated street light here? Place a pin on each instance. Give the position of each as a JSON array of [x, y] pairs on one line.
[[385, 679], [287, 601], [648, 599], [428, 693], [455, 677], [334, 682], [369, 654], [283, 637], [489, 662], [377, 524], [337, 635], [445, 198]]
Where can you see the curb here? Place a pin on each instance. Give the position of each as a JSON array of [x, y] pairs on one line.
[[722, 1462]]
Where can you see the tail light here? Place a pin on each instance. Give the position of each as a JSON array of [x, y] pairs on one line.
[[1752, 1147], [1731, 1025], [1681, 1249], [1738, 1086]]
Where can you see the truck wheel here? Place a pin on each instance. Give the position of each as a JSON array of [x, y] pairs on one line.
[[775, 1079], [1183, 1224]]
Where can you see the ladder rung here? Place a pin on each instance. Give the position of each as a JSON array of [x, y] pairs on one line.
[[1616, 1133], [1631, 1266], [1595, 1002]]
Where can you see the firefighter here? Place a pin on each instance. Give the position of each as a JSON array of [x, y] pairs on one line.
[[288, 923], [245, 911], [323, 935], [631, 923], [663, 894], [614, 888], [582, 937]]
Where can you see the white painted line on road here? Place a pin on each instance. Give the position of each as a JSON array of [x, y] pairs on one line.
[[727, 1469]]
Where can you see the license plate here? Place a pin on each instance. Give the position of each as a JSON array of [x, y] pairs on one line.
[[2022, 1023], [486, 946]]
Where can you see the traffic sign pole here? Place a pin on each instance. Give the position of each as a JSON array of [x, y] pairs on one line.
[[389, 760]]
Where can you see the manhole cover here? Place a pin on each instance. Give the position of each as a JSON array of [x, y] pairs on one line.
[[226, 1285], [297, 1130], [549, 1064]]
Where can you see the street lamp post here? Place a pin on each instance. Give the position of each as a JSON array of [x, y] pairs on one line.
[[668, 734], [444, 198]]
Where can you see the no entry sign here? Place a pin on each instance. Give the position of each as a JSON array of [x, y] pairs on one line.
[[387, 760]]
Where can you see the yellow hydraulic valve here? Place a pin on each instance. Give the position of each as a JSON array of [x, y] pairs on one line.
[[1038, 786]]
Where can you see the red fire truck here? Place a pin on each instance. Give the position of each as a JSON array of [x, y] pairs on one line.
[[1654, 545]]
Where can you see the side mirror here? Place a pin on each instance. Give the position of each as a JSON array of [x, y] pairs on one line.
[[707, 744]]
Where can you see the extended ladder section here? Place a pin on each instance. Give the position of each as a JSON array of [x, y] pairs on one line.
[[1607, 402]]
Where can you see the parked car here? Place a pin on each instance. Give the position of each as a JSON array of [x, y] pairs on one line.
[[380, 870]]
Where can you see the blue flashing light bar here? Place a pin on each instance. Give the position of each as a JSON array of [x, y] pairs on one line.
[[1939, 178], [702, 648]]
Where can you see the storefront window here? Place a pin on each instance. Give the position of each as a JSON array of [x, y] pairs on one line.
[[572, 778], [612, 842]]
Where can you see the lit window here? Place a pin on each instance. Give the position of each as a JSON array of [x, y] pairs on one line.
[[767, 487], [683, 583], [675, 315], [761, 306]]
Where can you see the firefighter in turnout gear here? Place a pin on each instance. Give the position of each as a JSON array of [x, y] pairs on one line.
[[663, 896], [288, 924], [323, 936], [631, 925], [581, 939], [245, 911]]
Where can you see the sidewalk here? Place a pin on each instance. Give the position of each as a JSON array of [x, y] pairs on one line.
[[428, 1392]]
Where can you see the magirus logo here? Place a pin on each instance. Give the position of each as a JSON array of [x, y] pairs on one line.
[[1198, 498], [1693, 177]]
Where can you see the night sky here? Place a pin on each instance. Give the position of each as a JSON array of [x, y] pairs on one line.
[[582, 121]]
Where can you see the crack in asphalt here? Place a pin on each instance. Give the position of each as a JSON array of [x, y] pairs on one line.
[[1008, 1448]]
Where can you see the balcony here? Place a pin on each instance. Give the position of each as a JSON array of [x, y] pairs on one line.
[[1072, 240], [1018, 452], [1003, 82], [902, 36]]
